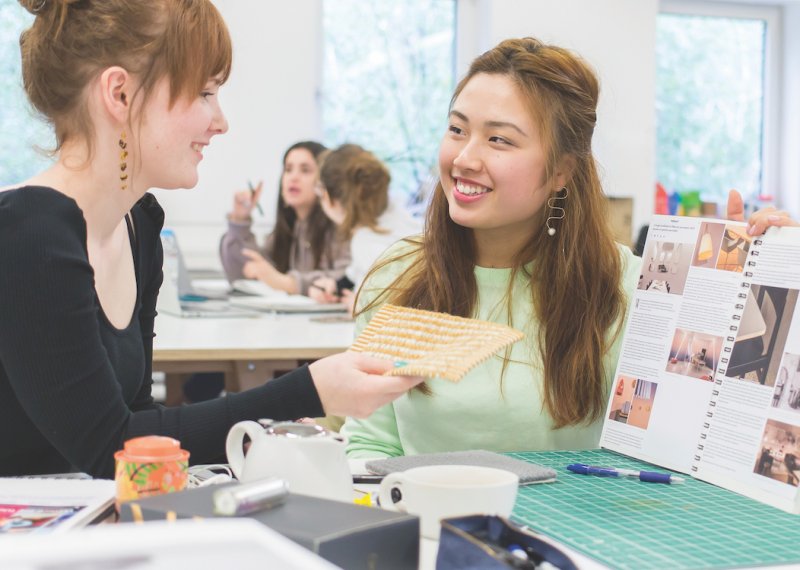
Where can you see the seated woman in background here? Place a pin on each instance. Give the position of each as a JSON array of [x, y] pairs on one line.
[[304, 244], [354, 194], [516, 233], [131, 90]]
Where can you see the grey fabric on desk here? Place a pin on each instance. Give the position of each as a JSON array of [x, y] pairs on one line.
[[528, 473]]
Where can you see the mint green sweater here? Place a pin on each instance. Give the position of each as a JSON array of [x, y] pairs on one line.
[[480, 411]]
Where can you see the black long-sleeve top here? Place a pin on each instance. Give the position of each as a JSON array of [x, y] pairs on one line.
[[73, 388]]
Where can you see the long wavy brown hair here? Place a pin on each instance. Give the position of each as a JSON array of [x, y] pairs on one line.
[[575, 284], [322, 229]]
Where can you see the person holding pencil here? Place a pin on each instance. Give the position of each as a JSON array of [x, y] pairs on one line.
[[304, 244]]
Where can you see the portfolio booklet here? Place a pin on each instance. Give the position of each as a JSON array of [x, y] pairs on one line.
[[708, 380], [39, 505]]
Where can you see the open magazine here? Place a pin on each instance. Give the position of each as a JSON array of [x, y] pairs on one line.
[[41, 505], [708, 381]]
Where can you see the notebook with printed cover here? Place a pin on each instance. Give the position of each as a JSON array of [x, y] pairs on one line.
[[432, 344], [51, 504]]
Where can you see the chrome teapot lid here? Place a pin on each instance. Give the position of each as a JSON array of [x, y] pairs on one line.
[[292, 429]]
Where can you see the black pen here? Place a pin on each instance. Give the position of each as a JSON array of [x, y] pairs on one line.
[[318, 288], [252, 195]]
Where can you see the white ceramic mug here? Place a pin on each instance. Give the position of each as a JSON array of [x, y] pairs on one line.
[[437, 492]]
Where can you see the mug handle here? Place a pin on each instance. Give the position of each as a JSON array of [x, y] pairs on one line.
[[235, 441], [391, 482]]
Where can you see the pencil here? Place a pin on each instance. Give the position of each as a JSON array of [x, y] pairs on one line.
[[252, 195]]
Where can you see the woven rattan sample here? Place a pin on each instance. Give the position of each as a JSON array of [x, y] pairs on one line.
[[432, 344]]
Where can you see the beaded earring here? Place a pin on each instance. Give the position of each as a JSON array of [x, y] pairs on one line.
[[123, 161]]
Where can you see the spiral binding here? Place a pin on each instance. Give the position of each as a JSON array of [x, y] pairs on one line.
[[727, 348]]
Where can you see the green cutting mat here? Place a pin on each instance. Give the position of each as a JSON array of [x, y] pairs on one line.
[[626, 523]]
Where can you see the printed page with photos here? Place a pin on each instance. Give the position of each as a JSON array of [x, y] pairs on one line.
[[751, 438], [703, 347], [692, 269]]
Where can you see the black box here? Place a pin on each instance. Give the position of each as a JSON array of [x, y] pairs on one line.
[[348, 535]]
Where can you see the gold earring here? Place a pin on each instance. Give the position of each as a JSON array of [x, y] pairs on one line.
[[123, 161]]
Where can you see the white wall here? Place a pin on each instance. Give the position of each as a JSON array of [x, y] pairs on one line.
[[617, 37], [271, 97], [270, 103], [790, 116]]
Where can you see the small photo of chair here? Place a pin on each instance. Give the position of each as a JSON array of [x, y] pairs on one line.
[[757, 352], [733, 250], [786, 394]]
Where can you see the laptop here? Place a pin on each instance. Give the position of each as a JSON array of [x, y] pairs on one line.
[[178, 297]]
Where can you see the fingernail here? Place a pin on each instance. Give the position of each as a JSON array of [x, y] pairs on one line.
[[751, 230], [400, 363]]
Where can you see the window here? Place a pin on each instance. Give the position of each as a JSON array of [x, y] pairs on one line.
[[388, 74], [713, 99], [20, 130]]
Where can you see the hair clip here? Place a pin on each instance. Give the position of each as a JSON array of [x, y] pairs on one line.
[[39, 7], [556, 212]]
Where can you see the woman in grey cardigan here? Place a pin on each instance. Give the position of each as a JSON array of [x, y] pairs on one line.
[[304, 244]]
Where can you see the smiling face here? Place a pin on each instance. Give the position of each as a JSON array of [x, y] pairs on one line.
[[492, 161], [173, 139], [300, 175]]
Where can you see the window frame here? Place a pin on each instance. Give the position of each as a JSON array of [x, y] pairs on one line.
[[771, 150]]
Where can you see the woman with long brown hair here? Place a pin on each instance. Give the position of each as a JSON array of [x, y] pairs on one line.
[[516, 233], [304, 244]]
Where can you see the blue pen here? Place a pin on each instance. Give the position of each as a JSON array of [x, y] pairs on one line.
[[647, 476], [253, 195]]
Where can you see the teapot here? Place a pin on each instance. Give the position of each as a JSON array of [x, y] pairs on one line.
[[308, 457]]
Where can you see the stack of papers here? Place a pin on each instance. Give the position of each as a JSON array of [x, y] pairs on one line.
[[261, 297]]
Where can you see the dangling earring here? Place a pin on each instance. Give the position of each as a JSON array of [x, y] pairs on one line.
[[123, 161], [556, 212]]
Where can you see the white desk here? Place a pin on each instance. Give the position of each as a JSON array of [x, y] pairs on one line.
[[429, 548], [247, 350]]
